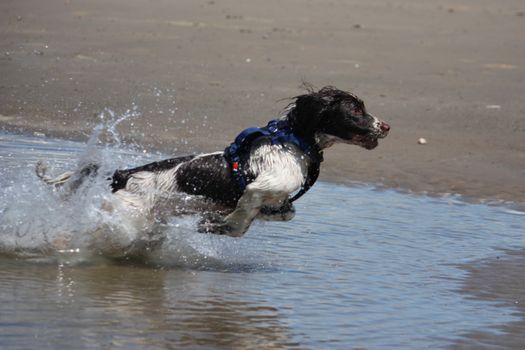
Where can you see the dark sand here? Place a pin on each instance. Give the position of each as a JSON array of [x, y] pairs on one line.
[[499, 280], [449, 71], [199, 71]]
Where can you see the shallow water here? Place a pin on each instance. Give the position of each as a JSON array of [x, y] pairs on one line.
[[357, 268]]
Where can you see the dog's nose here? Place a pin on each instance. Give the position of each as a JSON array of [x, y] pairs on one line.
[[384, 127]]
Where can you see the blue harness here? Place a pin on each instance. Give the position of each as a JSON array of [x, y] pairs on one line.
[[278, 132]]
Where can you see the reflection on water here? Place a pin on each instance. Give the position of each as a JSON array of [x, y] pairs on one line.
[[103, 306], [357, 267]]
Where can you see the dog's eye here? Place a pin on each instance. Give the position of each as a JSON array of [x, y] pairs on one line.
[[358, 112]]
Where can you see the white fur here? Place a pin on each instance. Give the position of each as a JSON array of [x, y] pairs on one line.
[[376, 124], [280, 171], [145, 188]]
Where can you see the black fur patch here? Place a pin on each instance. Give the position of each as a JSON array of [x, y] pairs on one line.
[[120, 177], [209, 176]]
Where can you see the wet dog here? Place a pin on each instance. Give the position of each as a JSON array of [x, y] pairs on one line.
[[255, 176]]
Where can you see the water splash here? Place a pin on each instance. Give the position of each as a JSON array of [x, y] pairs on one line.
[[39, 221], [113, 121]]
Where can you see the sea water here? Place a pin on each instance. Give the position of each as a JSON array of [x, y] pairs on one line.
[[358, 267]]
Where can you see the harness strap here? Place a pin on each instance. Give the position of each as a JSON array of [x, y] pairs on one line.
[[311, 178], [279, 133], [233, 153]]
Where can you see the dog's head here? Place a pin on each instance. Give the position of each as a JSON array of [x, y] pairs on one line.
[[331, 115]]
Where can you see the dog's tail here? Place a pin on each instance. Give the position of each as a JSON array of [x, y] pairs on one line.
[[41, 169]]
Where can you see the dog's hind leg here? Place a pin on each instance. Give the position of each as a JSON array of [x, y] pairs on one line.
[[88, 171], [70, 180], [41, 169]]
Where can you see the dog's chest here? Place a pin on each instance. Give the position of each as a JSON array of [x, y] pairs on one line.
[[286, 163]]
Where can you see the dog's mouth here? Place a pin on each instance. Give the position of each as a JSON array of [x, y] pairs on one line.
[[365, 141], [370, 141]]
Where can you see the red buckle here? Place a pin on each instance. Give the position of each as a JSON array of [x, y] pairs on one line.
[[235, 166]]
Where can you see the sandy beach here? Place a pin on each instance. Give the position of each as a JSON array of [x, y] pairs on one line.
[[200, 71]]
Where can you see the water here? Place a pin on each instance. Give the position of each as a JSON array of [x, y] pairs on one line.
[[357, 268]]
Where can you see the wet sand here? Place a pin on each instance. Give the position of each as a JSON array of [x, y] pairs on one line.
[[200, 71], [499, 280]]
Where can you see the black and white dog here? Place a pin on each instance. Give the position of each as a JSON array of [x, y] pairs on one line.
[[254, 177]]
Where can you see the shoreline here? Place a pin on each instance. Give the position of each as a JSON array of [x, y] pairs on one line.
[[327, 175]]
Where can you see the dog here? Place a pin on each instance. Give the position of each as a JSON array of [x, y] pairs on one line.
[[254, 177]]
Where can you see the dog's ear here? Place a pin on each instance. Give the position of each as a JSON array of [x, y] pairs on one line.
[[305, 116]]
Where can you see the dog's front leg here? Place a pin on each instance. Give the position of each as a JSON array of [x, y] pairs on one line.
[[237, 222], [268, 189]]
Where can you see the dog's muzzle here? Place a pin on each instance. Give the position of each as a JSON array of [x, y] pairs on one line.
[[370, 141], [384, 128]]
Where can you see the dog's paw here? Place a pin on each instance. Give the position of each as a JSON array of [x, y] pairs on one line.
[[213, 223], [286, 212], [41, 169]]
